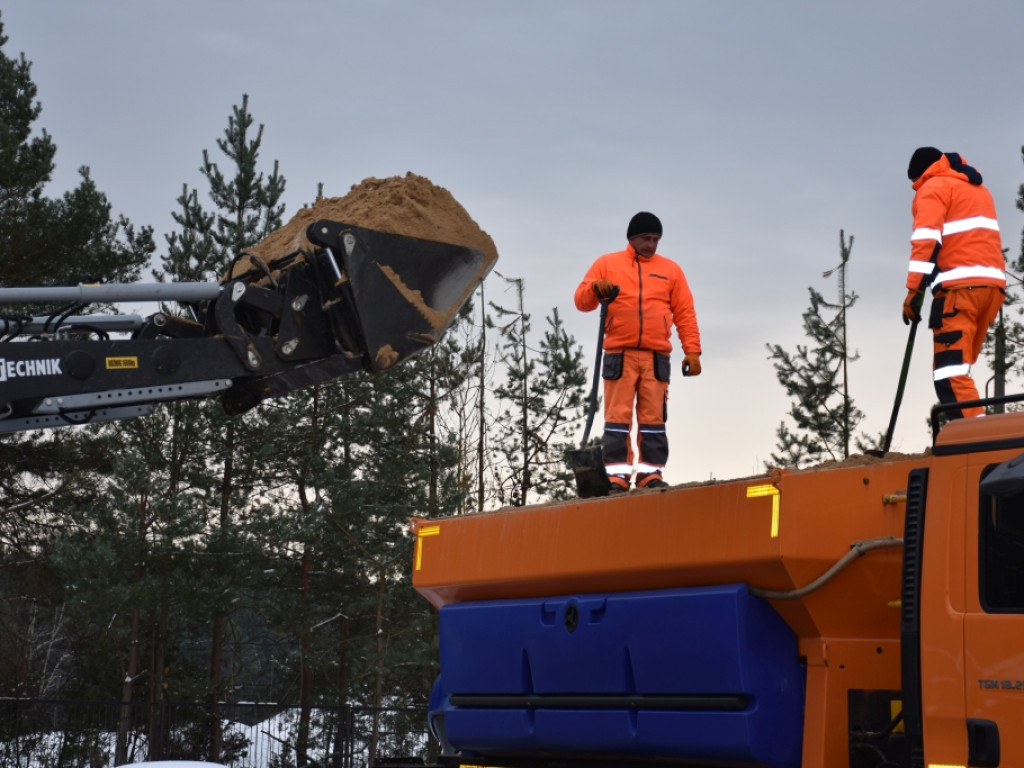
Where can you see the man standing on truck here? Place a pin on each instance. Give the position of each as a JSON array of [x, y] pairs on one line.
[[647, 295], [956, 249]]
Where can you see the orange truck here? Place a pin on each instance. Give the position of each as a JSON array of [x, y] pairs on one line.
[[863, 613]]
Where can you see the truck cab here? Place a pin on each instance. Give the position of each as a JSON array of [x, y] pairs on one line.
[[971, 595]]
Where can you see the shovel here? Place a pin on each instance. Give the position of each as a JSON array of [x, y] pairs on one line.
[[899, 394], [588, 463]]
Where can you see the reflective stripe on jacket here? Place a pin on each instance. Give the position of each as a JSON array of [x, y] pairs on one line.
[[956, 234], [653, 297]]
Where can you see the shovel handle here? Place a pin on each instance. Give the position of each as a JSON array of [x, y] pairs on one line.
[[899, 389], [597, 369]]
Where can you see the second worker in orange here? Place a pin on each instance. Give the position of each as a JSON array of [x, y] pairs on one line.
[[648, 296]]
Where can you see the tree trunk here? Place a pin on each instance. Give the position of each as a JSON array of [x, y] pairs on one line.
[[158, 726], [125, 720], [306, 684], [378, 688], [216, 732], [524, 404], [132, 666], [434, 459], [217, 638], [340, 742], [481, 441]]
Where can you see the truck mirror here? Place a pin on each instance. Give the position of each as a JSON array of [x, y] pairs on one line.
[[1006, 479]]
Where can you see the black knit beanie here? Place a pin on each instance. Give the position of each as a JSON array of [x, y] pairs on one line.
[[922, 158], [643, 223]]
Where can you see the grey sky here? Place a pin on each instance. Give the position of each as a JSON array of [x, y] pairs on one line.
[[755, 130]]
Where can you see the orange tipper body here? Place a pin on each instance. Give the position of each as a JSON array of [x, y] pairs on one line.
[[847, 614]]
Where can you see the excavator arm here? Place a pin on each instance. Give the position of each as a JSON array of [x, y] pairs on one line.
[[359, 300]]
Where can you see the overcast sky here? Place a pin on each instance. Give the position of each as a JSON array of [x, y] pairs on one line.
[[756, 131]]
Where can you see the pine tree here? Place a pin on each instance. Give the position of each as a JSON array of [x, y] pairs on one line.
[[120, 558], [541, 399], [46, 241], [445, 384], [815, 376], [561, 389], [246, 205], [26, 162], [456, 381], [1004, 345], [346, 460], [481, 403], [245, 209]]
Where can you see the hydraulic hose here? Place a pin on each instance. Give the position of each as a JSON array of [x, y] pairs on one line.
[[857, 549]]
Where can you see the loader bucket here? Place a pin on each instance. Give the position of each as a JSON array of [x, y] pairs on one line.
[[397, 294], [382, 299]]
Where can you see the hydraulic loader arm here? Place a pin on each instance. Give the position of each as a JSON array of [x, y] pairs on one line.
[[359, 300]]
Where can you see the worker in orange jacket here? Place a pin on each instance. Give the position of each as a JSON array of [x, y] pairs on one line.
[[956, 249], [648, 295]]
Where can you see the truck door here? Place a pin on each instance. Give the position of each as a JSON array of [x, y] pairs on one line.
[[994, 620]]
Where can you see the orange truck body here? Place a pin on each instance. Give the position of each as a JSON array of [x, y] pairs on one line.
[[895, 576]]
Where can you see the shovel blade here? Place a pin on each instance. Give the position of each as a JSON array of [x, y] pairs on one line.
[[588, 468]]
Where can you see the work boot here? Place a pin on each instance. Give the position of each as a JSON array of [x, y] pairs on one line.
[[650, 480], [619, 483]]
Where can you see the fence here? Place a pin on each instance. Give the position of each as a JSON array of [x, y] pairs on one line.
[[75, 734]]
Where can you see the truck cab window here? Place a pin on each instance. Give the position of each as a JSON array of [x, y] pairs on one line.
[[1001, 553]]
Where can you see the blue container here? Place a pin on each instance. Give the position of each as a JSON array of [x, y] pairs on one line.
[[707, 673]]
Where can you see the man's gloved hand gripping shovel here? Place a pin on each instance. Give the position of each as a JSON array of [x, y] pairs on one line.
[[588, 463]]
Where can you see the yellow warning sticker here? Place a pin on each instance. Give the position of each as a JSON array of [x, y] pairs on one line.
[[428, 530], [122, 363], [759, 491]]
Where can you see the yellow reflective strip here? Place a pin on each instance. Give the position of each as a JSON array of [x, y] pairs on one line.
[[430, 530], [757, 491]]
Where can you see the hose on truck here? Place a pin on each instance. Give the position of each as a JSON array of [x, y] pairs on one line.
[[857, 549]]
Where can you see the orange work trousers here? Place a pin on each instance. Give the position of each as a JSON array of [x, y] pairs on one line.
[[960, 318], [631, 381]]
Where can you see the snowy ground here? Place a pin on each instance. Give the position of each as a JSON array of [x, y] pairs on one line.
[[269, 743]]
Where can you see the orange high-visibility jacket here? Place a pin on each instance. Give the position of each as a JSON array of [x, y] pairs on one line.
[[956, 235], [653, 297]]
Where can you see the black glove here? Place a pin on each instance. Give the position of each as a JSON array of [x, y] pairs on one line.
[[912, 307], [605, 289]]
